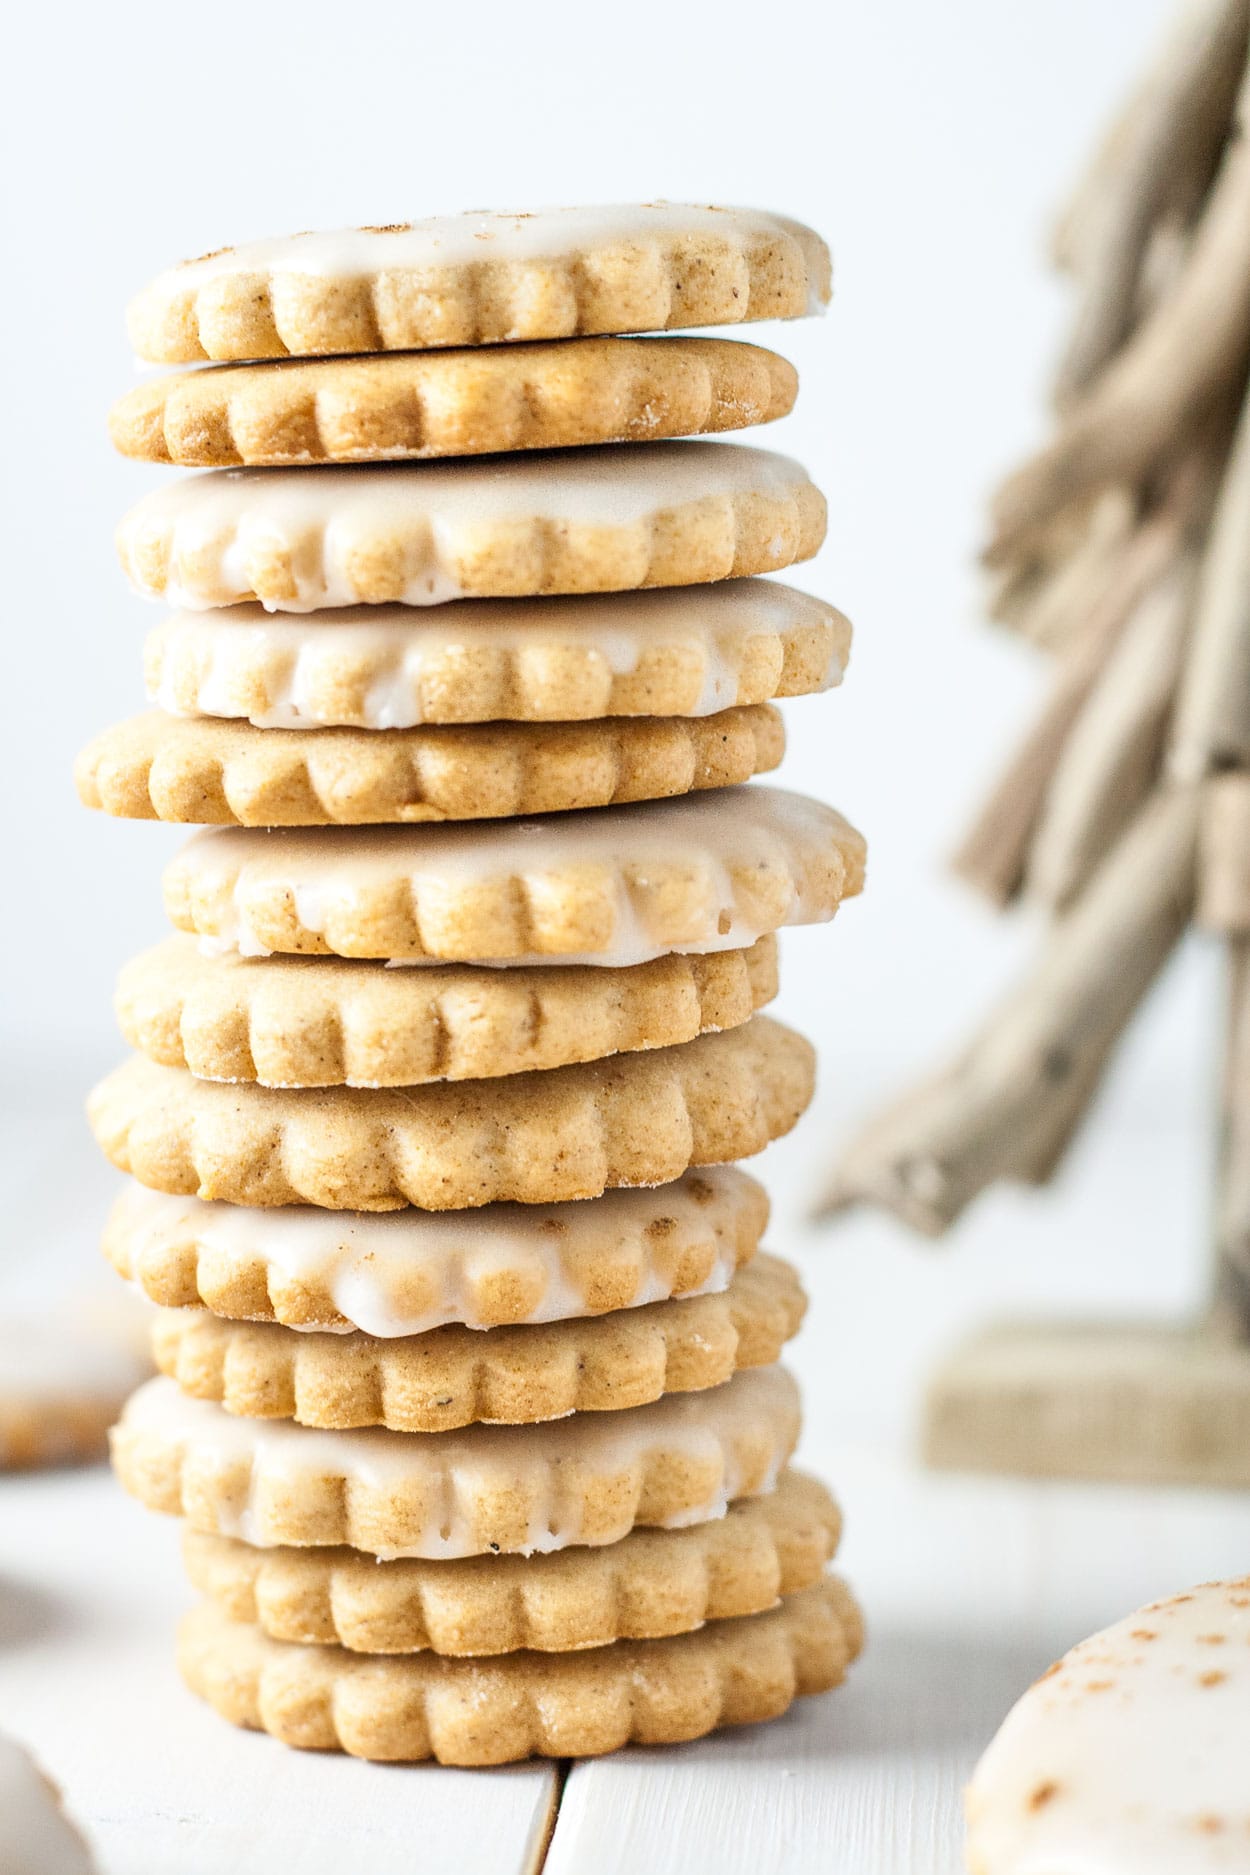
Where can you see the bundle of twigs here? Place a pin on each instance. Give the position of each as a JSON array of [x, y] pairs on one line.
[[1123, 549]]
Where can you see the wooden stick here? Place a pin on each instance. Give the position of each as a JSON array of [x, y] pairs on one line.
[[1163, 383], [993, 856], [1213, 713], [1169, 147], [1112, 755], [1072, 232], [1032, 1068], [1232, 1286], [1224, 856], [1047, 597]]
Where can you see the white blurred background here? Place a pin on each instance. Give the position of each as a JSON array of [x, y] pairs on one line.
[[930, 145]]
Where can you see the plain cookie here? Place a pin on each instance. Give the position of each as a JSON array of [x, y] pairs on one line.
[[324, 1022], [459, 403], [456, 1377], [523, 1705], [651, 1583], [640, 1119], [158, 767]]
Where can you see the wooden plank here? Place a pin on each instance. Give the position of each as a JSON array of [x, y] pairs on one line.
[[90, 1590], [1141, 1404], [866, 1779]]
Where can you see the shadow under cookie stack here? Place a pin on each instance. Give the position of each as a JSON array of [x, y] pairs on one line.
[[470, 1395]]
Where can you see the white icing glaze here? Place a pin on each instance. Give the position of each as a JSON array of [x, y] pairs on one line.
[[214, 521], [700, 1426], [706, 834], [36, 1836], [501, 236], [1129, 1757], [365, 1260], [713, 624]]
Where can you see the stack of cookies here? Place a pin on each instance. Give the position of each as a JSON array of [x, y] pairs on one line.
[[469, 1395]]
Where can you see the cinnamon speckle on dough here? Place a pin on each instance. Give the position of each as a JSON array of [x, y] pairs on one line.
[[386, 227]]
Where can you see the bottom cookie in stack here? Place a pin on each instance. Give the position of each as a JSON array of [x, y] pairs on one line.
[[500, 1708], [397, 1574]]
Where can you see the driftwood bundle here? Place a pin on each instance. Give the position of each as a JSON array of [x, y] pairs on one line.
[[1123, 549]]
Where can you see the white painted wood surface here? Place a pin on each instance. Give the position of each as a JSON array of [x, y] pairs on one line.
[[970, 1585]]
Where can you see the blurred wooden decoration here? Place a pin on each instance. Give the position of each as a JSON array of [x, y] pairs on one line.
[[1122, 549]]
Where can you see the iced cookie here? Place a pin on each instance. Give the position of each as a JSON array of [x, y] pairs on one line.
[[322, 1022], [613, 888], [518, 1489], [36, 1836], [572, 1705], [456, 1377], [457, 403], [692, 651], [1128, 1756], [407, 1272], [638, 1119], [63, 1379], [482, 278], [158, 767], [598, 520], [651, 1583]]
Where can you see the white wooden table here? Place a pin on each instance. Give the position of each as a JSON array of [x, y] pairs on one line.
[[970, 1588]]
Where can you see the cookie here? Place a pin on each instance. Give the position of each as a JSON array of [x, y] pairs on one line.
[[600, 520], [651, 1583], [157, 767], [612, 888], [639, 1119], [407, 1272], [1129, 1754], [477, 1712], [689, 652], [36, 1835], [570, 1705], [62, 1380], [588, 1479], [479, 279], [459, 403], [324, 1022], [456, 1377]]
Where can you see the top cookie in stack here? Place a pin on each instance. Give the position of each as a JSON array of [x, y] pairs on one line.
[[592, 637]]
